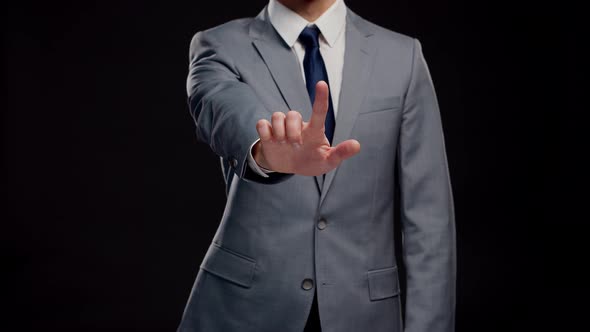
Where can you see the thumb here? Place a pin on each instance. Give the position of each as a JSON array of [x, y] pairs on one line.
[[343, 151]]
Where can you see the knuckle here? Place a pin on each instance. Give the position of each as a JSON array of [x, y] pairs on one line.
[[278, 115], [293, 136]]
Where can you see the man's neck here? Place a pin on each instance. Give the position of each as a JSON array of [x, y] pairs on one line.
[[308, 9]]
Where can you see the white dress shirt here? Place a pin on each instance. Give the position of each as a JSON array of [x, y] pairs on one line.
[[332, 39]]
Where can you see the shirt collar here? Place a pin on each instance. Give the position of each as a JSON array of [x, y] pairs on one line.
[[289, 24]]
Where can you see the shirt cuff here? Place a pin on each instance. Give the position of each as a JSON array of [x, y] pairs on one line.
[[254, 166]]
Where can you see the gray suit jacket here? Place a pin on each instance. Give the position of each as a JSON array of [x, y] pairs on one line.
[[339, 232]]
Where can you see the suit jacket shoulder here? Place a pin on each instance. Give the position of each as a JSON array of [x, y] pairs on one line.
[[383, 34], [234, 32]]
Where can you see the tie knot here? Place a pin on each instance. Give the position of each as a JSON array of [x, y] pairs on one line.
[[309, 37]]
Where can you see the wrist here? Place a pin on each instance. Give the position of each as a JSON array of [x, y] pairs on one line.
[[259, 157]]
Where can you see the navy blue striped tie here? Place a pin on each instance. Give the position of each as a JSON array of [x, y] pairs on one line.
[[315, 71]]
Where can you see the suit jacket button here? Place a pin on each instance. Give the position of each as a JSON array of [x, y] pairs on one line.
[[307, 284], [322, 223], [234, 162]]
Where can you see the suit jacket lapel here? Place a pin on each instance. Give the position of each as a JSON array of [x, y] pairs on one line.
[[358, 57]]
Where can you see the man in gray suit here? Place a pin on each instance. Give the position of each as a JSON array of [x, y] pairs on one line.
[[306, 240]]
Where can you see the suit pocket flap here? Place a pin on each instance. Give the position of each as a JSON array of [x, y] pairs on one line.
[[374, 104], [383, 283], [229, 265]]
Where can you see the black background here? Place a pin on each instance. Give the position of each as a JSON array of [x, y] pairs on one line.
[[110, 201]]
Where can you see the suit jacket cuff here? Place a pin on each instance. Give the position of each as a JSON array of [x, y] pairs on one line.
[[254, 166]]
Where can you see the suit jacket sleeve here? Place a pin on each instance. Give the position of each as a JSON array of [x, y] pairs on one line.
[[224, 108], [427, 212]]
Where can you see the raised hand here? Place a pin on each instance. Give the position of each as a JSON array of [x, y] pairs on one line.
[[291, 145]]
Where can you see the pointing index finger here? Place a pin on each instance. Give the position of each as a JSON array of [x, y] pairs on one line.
[[320, 106]]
